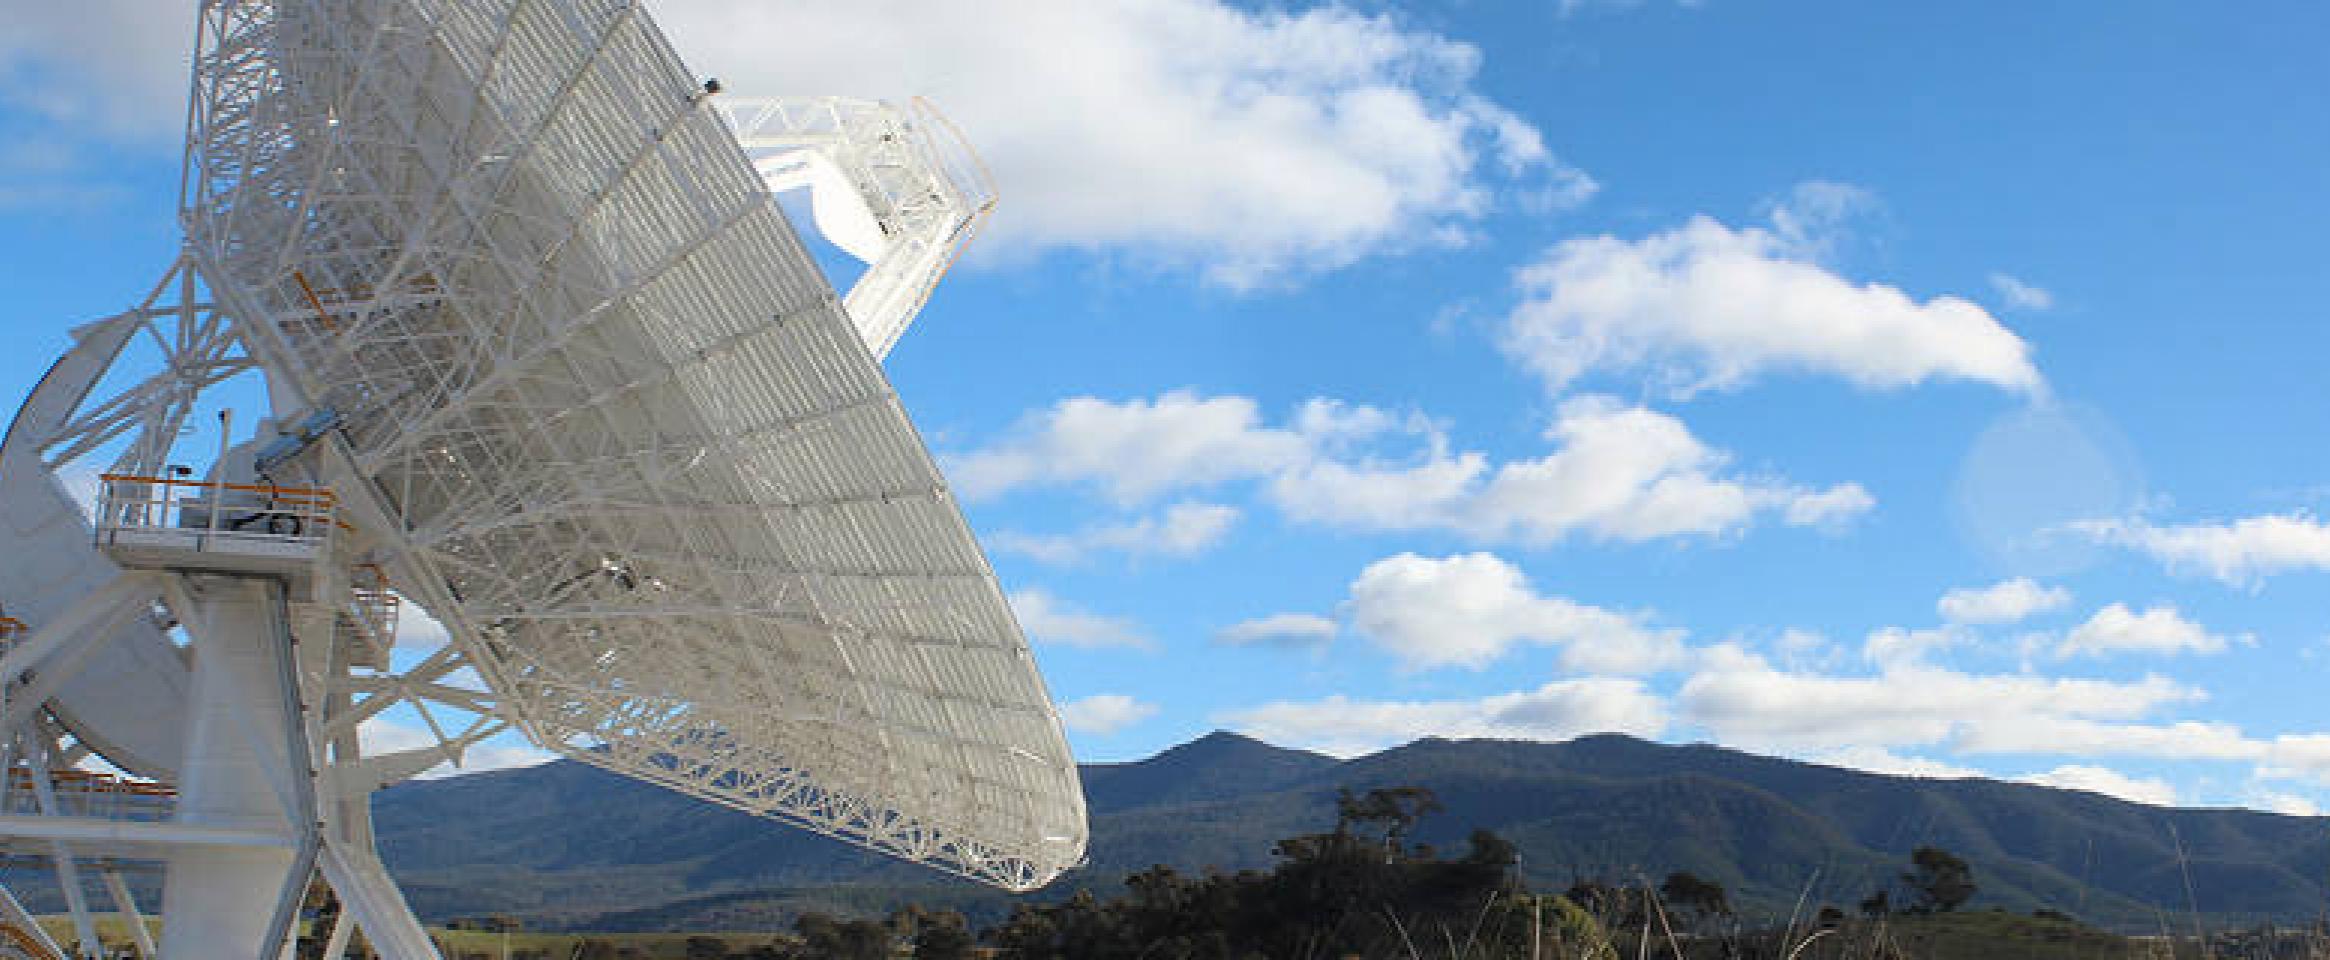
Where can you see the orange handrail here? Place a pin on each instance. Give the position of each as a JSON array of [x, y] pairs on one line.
[[25, 942], [76, 781], [321, 496], [315, 301], [377, 597], [356, 292]]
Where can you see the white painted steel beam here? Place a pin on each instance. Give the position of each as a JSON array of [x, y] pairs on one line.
[[246, 771], [80, 623], [593, 406], [13, 914], [624, 289], [139, 839], [126, 905], [36, 756]]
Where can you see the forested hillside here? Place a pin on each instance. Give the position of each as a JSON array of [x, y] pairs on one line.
[[568, 845]]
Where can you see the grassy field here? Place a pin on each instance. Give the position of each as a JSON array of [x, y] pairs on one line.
[[111, 931], [1981, 935], [1971, 935], [560, 946], [466, 943]]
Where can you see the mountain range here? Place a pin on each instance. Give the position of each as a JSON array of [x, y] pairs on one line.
[[565, 845]]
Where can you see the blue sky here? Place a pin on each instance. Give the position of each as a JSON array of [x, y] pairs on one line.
[[1921, 388]]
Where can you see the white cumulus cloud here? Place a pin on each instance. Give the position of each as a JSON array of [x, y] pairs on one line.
[[116, 66], [2158, 630], [1254, 145], [2057, 734], [1105, 713], [2109, 782], [1281, 630], [1890, 646], [1706, 306], [1048, 619], [2239, 552], [2296, 756], [1870, 721], [1343, 726], [1468, 610], [1616, 471], [1134, 450], [417, 630], [1880, 760], [2008, 601], [1745, 700], [2284, 803], [1831, 508], [382, 735]]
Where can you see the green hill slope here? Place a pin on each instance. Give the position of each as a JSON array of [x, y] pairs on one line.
[[565, 844]]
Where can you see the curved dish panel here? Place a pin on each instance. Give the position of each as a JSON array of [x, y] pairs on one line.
[[128, 700], [633, 452]]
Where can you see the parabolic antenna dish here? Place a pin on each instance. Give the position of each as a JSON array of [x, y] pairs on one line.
[[611, 424]]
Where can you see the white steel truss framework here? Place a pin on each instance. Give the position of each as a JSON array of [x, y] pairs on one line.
[[524, 305], [240, 781], [647, 469], [898, 188]]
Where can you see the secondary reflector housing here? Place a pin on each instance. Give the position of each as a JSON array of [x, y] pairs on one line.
[[631, 448]]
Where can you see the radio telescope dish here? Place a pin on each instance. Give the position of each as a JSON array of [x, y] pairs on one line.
[[540, 355]]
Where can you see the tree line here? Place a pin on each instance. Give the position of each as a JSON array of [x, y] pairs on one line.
[[1364, 888]]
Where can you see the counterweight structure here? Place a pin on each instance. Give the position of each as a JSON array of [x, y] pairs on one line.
[[541, 356]]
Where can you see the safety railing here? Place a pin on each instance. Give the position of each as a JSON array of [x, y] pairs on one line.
[[373, 604], [86, 793], [355, 298], [162, 511], [25, 941], [424, 284]]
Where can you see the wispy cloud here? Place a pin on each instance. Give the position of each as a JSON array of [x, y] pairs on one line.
[[1047, 619], [1346, 726], [46, 173], [1571, 8], [115, 68], [1182, 530], [1302, 630], [1105, 714], [2022, 295], [2008, 601]]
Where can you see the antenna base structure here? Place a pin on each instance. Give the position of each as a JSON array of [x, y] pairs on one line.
[[213, 645], [539, 356]]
